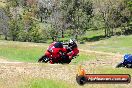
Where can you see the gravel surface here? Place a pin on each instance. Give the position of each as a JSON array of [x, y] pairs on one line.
[[13, 73]]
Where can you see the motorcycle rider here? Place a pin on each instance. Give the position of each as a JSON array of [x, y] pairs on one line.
[[57, 53], [71, 49], [65, 52]]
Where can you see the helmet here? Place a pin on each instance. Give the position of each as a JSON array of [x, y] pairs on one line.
[[72, 44], [71, 41]]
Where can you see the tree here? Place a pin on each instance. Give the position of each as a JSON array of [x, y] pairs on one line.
[[78, 15], [122, 15], [29, 32], [4, 26], [104, 10], [12, 7], [14, 29], [114, 15], [66, 14], [129, 6]]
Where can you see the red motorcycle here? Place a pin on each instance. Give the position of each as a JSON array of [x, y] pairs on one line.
[[59, 52]]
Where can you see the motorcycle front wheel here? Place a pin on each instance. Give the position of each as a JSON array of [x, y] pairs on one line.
[[119, 65], [44, 59]]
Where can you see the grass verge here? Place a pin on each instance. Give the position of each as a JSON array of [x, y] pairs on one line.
[[116, 44], [46, 83], [28, 52]]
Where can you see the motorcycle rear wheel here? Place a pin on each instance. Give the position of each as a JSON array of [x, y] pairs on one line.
[[65, 60], [129, 65]]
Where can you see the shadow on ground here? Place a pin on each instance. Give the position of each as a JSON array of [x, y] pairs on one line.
[[95, 38]]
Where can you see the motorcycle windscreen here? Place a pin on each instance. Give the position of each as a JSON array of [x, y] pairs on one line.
[[58, 45], [129, 59]]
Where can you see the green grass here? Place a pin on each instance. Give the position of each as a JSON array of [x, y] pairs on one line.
[[84, 57], [28, 52], [46, 83], [116, 44], [94, 33], [109, 69]]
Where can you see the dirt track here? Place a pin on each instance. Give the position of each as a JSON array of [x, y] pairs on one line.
[[14, 72]]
